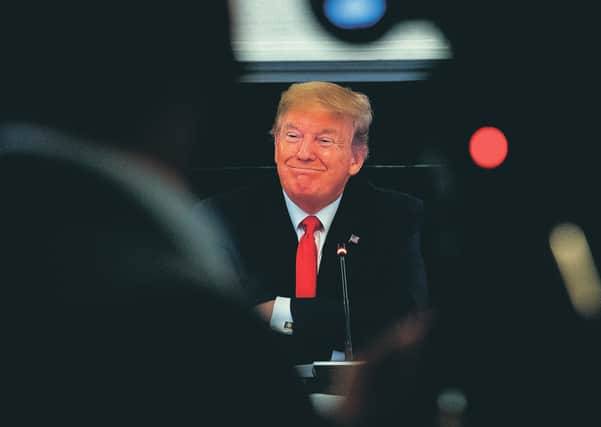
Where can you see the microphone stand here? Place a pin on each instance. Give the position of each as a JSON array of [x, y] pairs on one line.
[[348, 344]]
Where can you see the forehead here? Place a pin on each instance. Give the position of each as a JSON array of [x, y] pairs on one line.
[[316, 118]]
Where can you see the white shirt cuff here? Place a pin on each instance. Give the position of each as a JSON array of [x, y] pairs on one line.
[[281, 317]]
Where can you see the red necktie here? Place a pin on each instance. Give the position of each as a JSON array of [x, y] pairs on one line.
[[306, 260]]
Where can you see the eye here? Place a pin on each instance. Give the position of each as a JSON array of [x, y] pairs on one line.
[[326, 141], [292, 136]]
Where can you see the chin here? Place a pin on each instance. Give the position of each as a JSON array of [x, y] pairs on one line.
[[304, 187], [301, 196]]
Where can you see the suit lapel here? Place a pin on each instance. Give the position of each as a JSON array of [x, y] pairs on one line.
[[347, 222]]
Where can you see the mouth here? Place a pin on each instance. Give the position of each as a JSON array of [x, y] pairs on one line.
[[306, 168]]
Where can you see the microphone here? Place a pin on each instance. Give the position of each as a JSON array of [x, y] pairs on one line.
[[348, 344]]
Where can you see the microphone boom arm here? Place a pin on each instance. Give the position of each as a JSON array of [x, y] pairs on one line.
[[348, 344]]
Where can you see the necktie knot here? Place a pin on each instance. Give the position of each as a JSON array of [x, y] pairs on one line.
[[311, 223]]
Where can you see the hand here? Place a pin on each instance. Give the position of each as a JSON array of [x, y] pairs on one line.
[[265, 309]]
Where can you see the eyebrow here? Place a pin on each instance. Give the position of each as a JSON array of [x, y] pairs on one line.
[[321, 132]]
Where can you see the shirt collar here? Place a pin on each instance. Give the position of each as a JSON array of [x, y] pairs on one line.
[[325, 215]]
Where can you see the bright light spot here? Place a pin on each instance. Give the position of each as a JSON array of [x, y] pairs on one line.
[[354, 14], [577, 268], [488, 147]]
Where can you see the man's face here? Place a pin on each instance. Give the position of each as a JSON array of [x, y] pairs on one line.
[[314, 155]]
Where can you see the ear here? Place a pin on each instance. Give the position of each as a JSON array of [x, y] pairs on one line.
[[275, 147], [359, 154]]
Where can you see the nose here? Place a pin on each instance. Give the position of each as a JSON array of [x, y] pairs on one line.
[[305, 150]]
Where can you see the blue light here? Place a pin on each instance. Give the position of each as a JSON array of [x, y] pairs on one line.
[[354, 14]]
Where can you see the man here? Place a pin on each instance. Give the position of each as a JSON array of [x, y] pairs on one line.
[[321, 141]]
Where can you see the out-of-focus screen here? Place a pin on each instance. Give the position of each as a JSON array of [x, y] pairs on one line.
[[281, 41]]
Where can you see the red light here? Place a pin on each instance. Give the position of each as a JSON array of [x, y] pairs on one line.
[[488, 147]]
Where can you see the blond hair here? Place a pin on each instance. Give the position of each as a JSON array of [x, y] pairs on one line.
[[333, 97]]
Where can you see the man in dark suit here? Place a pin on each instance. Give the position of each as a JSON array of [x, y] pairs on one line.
[[321, 133]]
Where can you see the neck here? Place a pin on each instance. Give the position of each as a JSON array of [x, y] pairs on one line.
[[310, 209], [309, 206]]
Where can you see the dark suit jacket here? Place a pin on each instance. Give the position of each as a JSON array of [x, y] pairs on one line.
[[385, 270]]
